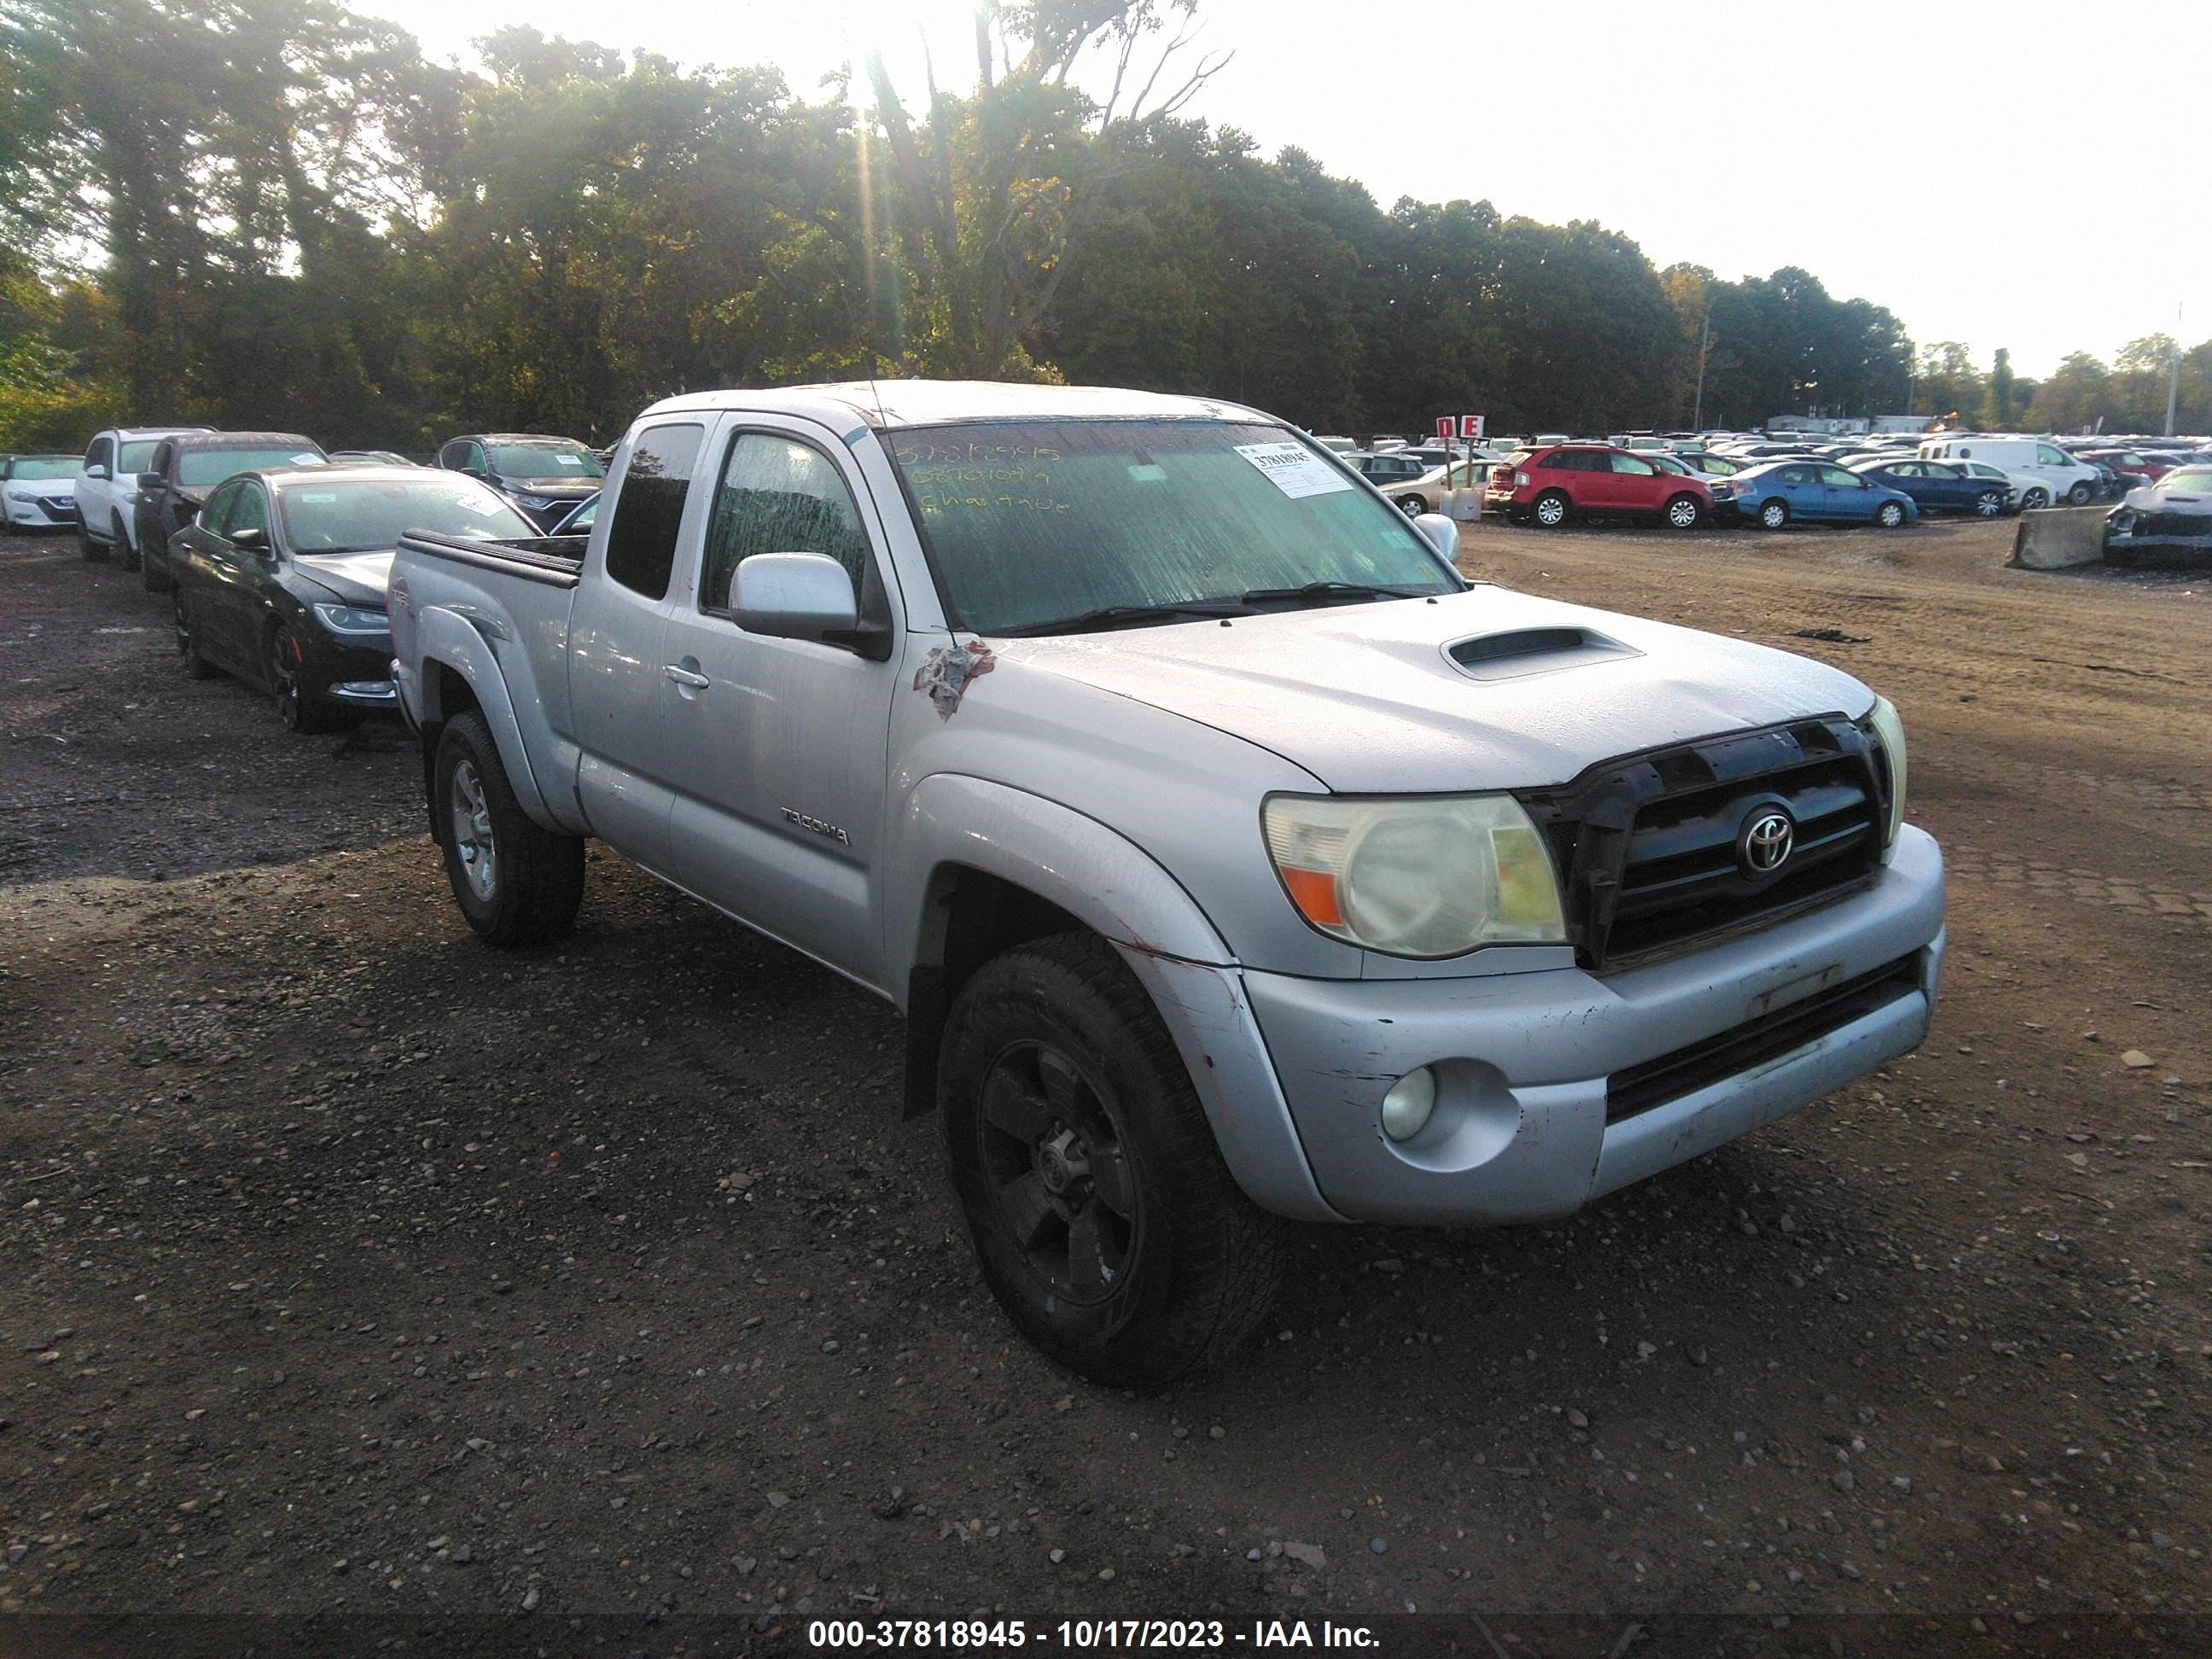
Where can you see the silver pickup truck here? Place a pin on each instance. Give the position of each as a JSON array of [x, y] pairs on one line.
[[1231, 857]]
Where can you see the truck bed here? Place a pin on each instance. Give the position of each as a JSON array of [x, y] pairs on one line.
[[554, 560]]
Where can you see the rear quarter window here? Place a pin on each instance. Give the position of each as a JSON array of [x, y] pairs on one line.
[[648, 508]]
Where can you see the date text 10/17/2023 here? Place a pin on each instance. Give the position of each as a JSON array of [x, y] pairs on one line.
[[1086, 1634]]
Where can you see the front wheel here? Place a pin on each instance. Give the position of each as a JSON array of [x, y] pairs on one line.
[[2035, 498], [299, 697], [1682, 512], [93, 552], [1774, 515], [1889, 515], [1104, 1220], [516, 882], [1990, 503], [1551, 509], [2080, 493], [156, 581], [196, 666], [125, 555]]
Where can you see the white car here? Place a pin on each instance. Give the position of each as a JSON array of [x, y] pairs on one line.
[[107, 489], [2047, 473], [38, 492]]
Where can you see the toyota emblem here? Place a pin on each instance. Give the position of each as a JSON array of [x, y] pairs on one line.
[[1764, 846]]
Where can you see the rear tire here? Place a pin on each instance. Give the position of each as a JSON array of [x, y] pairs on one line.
[[1413, 506], [1103, 1216], [1773, 515], [1551, 509], [516, 882]]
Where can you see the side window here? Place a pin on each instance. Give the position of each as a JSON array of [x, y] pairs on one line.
[[779, 495], [163, 454], [1841, 479], [1630, 464], [249, 510], [648, 508], [212, 516], [1965, 454], [1559, 460], [2048, 457], [1794, 475], [101, 453], [450, 456], [472, 457]]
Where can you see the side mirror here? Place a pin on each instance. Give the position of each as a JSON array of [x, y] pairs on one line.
[[96, 470], [1443, 534], [793, 595], [250, 540], [152, 482]]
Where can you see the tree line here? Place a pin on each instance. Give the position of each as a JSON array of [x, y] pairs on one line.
[[279, 213]]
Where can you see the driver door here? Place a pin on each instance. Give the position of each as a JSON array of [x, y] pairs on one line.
[[778, 816]]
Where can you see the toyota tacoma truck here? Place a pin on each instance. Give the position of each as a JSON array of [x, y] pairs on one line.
[[1233, 860]]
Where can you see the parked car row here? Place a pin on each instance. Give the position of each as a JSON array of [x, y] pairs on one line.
[[278, 552]]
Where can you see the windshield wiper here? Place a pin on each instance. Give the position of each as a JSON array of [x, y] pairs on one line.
[[1127, 615], [1332, 591]]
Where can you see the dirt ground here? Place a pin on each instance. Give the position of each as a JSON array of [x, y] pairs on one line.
[[348, 1268]]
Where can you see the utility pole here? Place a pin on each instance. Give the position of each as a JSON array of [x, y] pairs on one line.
[[2173, 379], [1705, 345]]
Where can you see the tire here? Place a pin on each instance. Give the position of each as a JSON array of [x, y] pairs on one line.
[[1551, 509], [516, 883], [196, 667], [93, 552], [1413, 506], [300, 704], [1681, 513], [2081, 494], [1053, 1058], [1772, 515], [124, 554], [2035, 498], [1889, 515], [1989, 504]]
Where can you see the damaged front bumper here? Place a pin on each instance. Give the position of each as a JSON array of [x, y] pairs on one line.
[[1557, 1087]]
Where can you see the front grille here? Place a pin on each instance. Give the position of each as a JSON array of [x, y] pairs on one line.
[[60, 512], [1646, 846], [1756, 1042]]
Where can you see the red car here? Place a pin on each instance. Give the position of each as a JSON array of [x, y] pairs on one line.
[[2142, 466], [1558, 482]]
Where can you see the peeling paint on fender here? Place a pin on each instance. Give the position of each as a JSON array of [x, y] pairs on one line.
[[945, 672]]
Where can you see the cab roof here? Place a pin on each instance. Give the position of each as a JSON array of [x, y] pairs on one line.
[[887, 406]]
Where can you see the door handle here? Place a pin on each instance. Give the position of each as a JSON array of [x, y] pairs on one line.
[[684, 676]]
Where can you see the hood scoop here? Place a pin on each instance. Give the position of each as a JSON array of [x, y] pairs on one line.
[[1522, 651]]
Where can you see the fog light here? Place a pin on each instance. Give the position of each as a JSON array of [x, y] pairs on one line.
[[1407, 1108]]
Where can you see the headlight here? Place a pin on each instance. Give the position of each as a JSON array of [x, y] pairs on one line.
[[354, 620], [1890, 731], [1423, 876]]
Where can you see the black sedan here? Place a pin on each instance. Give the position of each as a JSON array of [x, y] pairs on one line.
[[1936, 486], [280, 579], [544, 476]]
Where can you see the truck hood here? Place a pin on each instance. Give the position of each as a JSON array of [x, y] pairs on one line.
[[362, 579], [1369, 698]]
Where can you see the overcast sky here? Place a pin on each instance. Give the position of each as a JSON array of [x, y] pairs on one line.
[[1993, 171]]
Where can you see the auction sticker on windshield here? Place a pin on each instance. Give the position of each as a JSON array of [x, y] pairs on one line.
[[1294, 469]]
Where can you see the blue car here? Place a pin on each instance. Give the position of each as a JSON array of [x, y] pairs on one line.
[[1820, 492], [1936, 486]]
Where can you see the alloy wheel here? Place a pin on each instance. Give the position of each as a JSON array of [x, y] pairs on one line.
[[1060, 1183], [473, 840]]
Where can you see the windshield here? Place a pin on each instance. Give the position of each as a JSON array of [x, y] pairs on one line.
[[45, 466], [341, 515], [544, 461], [1033, 523], [198, 469]]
